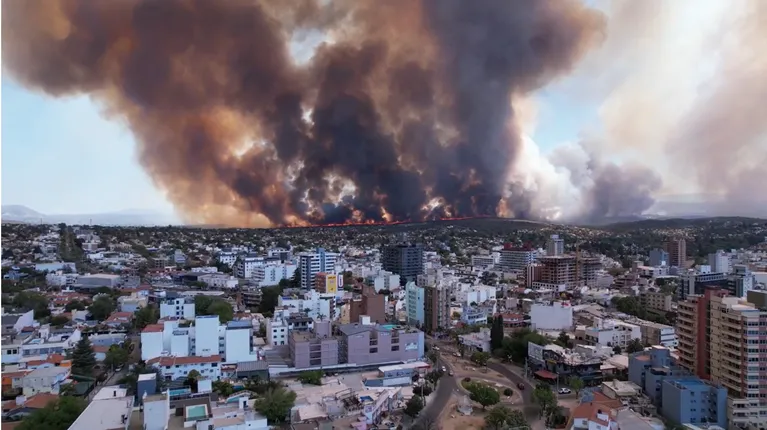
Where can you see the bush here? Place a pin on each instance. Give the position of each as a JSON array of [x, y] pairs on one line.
[[467, 379], [508, 392]]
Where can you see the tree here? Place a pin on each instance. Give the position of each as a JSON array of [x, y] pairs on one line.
[[269, 298], [131, 379], [635, 345], [434, 376], [146, 316], [191, 380], [59, 321], [101, 308], [484, 394], [34, 301], [276, 404], [313, 377], [222, 309], [57, 415], [498, 417], [74, 305], [201, 303], [414, 406], [83, 357], [576, 384], [116, 356], [496, 333], [224, 388], [480, 358], [563, 339], [617, 349], [545, 399]]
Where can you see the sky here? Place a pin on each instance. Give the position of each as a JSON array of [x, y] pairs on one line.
[[61, 156]]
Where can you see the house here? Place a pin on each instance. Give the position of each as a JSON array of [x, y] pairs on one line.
[[23, 406], [174, 368], [13, 323], [44, 380], [12, 380], [118, 319]]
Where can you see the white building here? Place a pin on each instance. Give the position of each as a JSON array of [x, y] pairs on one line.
[[475, 294], [476, 341], [61, 279], [483, 261], [218, 280], [245, 265], [177, 308], [206, 335], [312, 263], [111, 408], [313, 303], [612, 333], [385, 280], [44, 380], [227, 258], [719, 262], [272, 274], [173, 368], [555, 246], [515, 260], [551, 316]]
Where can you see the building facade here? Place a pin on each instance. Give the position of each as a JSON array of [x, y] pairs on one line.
[[406, 260], [312, 263]]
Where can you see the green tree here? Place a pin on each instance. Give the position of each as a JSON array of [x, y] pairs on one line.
[[102, 307], [313, 377], [496, 333], [201, 303], [635, 345], [34, 301], [501, 417], [191, 380], [480, 358], [57, 415], [617, 349], [563, 339], [74, 305], [131, 379], [545, 399], [59, 321], [116, 356], [223, 388], [222, 309], [275, 404], [269, 298], [434, 376], [146, 316], [576, 384], [83, 357], [484, 394], [414, 406]]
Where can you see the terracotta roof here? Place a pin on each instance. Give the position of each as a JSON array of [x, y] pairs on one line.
[[40, 400], [17, 374], [590, 411], [606, 401], [120, 316], [153, 328], [172, 361]]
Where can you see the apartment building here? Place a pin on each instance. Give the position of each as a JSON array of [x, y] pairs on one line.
[[177, 308], [658, 257], [723, 342], [271, 274], [482, 261], [555, 246], [657, 334], [437, 308], [696, 283], [656, 301], [588, 271], [312, 263], [368, 303], [611, 333], [314, 304], [245, 265], [515, 259], [314, 348], [328, 283], [677, 252], [406, 260], [557, 272], [415, 304]]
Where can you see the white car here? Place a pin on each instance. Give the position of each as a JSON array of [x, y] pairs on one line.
[[564, 391], [444, 369]]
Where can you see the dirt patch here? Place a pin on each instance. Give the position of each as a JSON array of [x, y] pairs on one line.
[[456, 421]]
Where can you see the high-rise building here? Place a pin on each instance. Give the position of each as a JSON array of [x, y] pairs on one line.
[[720, 339], [406, 260], [658, 257], [559, 270], [719, 262], [677, 252], [369, 303], [437, 312], [515, 259], [312, 263], [555, 246], [415, 304]]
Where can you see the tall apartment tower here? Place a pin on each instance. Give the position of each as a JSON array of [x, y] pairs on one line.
[[406, 260], [719, 262], [677, 252], [719, 339], [516, 259], [312, 263], [555, 246], [437, 312], [658, 257]]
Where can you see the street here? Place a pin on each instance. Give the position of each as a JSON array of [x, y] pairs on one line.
[[446, 386]]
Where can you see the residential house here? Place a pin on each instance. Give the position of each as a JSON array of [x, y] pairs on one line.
[[44, 380]]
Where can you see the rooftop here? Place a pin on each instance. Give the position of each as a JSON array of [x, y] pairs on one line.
[[106, 414]]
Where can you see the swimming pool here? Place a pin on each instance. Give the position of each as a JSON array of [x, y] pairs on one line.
[[179, 391], [196, 412]]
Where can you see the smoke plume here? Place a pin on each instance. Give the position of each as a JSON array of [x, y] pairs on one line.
[[404, 112]]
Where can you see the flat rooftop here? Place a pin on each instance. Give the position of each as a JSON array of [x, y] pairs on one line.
[[107, 414]]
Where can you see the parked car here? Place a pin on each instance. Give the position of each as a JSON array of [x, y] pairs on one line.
[[564, 391], [521, 386]]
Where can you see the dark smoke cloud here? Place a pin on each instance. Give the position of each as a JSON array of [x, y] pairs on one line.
[[411, 102]]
